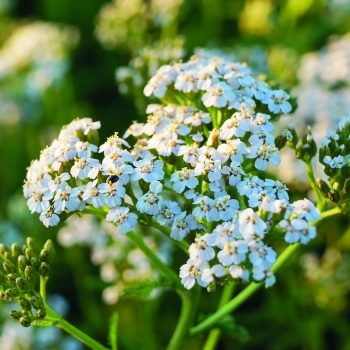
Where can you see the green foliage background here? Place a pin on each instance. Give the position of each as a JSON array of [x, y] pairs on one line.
[[300, 312]]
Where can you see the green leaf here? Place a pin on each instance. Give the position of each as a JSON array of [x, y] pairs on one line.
[[113, 331]]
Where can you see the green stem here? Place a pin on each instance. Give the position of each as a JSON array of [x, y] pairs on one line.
[[311, 177], [164, 269], [331, 212], [53, 319], [78, 334], [183, 323], [215, 334], [43, 282]]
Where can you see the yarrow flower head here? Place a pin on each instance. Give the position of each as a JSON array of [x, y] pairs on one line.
[[196, 170]]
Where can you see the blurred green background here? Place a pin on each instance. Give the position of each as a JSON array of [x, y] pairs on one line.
[[58, 61]]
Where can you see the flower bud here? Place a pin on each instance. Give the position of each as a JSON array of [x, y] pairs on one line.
[[15, 314], [11, 293], [9, 267], [211, 288], [307, 149], [34, 262], [28, 272], [323, 187], [15, 250], [44, 269], [24, 304], [25, 321], [280, 141], [47, 252], [30, 243], [333, 195], [21, 283], [2, 249], [7, 256], [22, 262], [36, 301], [29, 253], [12, 278], [41, 313]]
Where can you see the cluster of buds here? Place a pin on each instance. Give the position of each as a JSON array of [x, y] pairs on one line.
[[335, 156], [20, 271], [197, 170]]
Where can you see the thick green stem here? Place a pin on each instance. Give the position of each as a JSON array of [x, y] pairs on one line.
[[215, 334], [184, 322], [43, 282], [163, 268], [78, 334]]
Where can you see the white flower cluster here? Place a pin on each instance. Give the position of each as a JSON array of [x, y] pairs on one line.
[[220, 84], [197, 182]]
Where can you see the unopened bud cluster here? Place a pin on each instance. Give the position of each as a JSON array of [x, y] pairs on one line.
[[335, 156], [20, 271]]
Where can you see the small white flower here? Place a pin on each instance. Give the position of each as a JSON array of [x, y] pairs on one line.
[[209, 275], [218, 95], [169, 209], [304, 209], [201, 250], [184, 178], [334, 163], [113, 193], [238, 272], [234, 126], [151, 202], [233, 253], [84, 168], [251, 224], [49, 217], [182, 225], [234, 173], [85, 149], [148, 170], [66, 198], [92, 194], [277, 102], [123, 218], [264, 154], [192, 272], [203, 208], [224, 209], [223, 233]]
